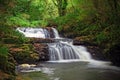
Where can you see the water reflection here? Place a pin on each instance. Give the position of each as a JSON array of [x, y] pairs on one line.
[[94, 70], [84, 71]]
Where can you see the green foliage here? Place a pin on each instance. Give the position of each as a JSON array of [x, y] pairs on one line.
[[4, 58], [102, 37], [17, 21], [98, 18], [20, 21], [19, 37], [10, 35], [3, 51], [31, 13]]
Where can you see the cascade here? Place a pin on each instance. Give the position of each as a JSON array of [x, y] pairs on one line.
[[66, 51], [35, 32], [55, 33], [62, 49]]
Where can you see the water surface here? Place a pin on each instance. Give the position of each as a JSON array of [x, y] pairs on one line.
[[83, 71]]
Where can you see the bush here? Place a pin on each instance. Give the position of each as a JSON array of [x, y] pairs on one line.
[[9, 35], [5, 65], [3, 58], [17, 21]]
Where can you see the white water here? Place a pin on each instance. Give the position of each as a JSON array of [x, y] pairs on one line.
[[56, 33], [34, 32], [64, 51]]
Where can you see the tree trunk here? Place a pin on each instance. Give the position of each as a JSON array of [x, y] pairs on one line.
[[61, 5]]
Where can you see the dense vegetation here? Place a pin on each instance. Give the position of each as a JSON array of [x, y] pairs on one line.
[[96, 21], [96, 18]]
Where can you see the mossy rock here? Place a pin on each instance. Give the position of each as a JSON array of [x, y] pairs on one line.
[[24, 53], [21, 47], [26, 57], [84, 38]]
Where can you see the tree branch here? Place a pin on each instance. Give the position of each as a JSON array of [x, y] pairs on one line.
[[55, 3]]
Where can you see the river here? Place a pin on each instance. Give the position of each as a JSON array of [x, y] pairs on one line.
[[77, 71]]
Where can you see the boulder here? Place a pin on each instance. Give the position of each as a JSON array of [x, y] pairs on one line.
[[42, 50], [24, 53], [26, 66], [50, 30], [96, 53]]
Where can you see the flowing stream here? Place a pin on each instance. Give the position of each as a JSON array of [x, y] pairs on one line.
[[69, 62], [83, 71]]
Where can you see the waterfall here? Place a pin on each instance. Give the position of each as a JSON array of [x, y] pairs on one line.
[[34, 32], [62, 49], [56, 33]]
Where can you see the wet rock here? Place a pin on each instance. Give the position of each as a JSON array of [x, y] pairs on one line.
[[83, 40], [114, 54], [85, 43], [96, 53], [26, 66], [49, 29], [41, 40], [42, 50], [29, 53]]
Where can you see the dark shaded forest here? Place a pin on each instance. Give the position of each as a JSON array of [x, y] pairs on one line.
[[94, 21]]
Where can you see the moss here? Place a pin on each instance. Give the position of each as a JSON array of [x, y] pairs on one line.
[[24, 57], [24, 53]]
